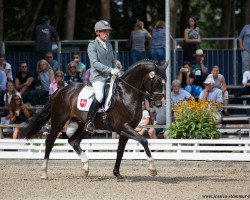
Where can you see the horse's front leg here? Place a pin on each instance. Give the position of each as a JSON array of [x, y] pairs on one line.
[[120, 151], [131, 133]]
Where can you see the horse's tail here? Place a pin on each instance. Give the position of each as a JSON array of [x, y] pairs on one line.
[[37, 121]]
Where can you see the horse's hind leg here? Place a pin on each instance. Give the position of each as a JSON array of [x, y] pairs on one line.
[[50, 140], [120, 151], [75, 141]]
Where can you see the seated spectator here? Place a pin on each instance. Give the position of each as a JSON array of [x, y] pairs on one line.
[[11, 90], [6, 67], [246, 84], [160, 119], [199, 71], [178, 93], [45, 76], [57, 83], [24, 81], [220, 83], [210, 93], [186, 77], [80, 66], [86, 76], [19, 114], [3, 82], [144, 121], [72, 74], [53, 63]]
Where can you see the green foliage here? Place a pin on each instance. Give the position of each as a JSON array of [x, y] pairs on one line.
[[194, 120]]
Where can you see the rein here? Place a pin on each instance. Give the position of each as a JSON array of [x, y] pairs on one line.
[[136, 89]]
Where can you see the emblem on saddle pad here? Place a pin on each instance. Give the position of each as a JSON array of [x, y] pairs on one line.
[[83, 102]]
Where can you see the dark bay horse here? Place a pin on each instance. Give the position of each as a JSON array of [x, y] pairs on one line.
[[124, 114]]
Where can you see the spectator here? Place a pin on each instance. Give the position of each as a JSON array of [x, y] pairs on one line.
[[45, 35], [179, 94], [139, 37], [57, 83], [11, 90], [160, 119], [86, 76], [24, 81], [192, 40], [3, 82], [186, 77], [244, 43], [220, 83], [80, 66], [45, 76], [145, 120], [53, 63], [19, 114], [6, 67], [210, 93], [246, 83], [199, 71], [72, 74], [158, 43]]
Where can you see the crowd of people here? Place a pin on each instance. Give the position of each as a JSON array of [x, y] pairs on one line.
[[18, 93]]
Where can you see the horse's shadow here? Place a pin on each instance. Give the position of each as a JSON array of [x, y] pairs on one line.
[[161, 179]]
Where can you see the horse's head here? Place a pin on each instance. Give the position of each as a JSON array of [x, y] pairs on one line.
[[154, 84], [147, 78]]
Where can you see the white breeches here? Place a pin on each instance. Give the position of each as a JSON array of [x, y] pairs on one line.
[[98, 88]]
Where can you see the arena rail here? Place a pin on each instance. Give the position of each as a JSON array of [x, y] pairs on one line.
[[162, 149]]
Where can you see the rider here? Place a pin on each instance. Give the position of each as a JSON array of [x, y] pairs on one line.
[[102, 63]]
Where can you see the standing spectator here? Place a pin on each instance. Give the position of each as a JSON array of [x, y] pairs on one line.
[[199, 71], [6, 67], [158, 43], [50, 59], [192, 40], [45, 76], [45, 35], [72, 74], [210, 93], [186, 77], [57, 83], [220, 83], [24, 81], [80, 66], [179, 94], [3, 82], [19, 114], [244, 43], [139, 36]]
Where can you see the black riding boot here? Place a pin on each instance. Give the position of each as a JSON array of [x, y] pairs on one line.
[[89, 126]]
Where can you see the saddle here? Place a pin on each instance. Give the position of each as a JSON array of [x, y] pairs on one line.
[[87, 95]]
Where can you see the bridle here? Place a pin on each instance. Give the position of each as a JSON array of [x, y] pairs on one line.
[[150, 94]]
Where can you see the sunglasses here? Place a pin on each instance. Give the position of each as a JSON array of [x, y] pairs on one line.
[[59, 76], [17, 99], [72, 67], [75, 57], [23, 66], [48, 56]]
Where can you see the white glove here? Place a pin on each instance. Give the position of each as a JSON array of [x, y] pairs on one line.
[[114, 72]]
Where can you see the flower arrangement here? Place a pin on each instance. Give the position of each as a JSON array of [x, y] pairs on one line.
[[195, 120]]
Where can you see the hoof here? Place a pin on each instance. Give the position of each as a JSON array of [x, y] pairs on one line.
[[85, 173], [152, 172], [44, 177]]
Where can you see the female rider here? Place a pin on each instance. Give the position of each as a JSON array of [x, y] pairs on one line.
[[102, 64]]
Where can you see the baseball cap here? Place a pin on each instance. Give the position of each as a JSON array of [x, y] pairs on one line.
[[209, 80]]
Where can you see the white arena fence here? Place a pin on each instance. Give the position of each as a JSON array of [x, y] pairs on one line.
[[162, 149]]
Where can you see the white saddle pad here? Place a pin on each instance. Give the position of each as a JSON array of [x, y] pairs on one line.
[[86, 97]]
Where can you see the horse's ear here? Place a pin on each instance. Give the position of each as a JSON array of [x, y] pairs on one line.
[[152, 74]]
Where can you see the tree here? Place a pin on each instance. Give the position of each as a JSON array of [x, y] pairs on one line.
[[70, 20]]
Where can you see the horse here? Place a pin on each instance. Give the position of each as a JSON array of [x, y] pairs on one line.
[[124, 114]]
